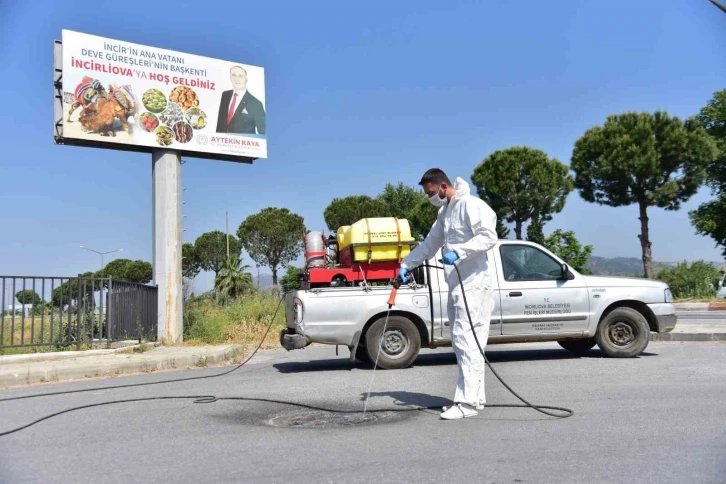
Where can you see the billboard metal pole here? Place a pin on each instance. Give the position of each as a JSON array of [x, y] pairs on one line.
[[167, 234]]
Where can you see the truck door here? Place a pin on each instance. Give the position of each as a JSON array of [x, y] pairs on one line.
[[439, 295], [495, 327], [535, 298]]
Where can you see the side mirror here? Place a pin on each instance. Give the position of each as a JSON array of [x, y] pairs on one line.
[[565, 271]]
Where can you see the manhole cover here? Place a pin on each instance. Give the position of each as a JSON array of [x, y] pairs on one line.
[[321, 419]]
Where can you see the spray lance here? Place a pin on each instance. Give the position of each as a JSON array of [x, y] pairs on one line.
[[395, 283]]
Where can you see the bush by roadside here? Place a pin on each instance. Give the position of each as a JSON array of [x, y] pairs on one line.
[[699, 281], [241, 321]]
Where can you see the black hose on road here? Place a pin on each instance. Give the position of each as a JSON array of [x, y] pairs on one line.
[[568, 412], [212, 398]]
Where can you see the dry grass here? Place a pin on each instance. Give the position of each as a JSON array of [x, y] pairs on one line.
[[34, 330], [243, 321]]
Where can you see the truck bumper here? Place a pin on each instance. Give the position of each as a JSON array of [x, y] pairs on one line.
[[292, 341], [665, 316]]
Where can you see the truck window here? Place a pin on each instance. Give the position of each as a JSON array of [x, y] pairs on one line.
[[527, 263]]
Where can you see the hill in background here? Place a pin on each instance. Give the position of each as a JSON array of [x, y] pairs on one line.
[[628, 266], [266, 279]]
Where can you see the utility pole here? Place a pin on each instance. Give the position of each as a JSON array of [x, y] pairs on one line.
[[226, 216], [102, 253], [718, 5]]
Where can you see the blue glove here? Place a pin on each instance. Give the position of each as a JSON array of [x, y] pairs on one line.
[[403, 275], [450, 257]]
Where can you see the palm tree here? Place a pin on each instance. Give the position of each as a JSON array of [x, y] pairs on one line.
[[232, 280]]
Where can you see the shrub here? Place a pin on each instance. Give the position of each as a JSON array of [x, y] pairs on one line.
[[291, 280], [243, 321], [699, 281]]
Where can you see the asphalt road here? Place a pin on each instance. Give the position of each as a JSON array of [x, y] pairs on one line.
[[658, 418]]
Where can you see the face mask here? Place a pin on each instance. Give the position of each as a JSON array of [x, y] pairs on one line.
[[437, 201]]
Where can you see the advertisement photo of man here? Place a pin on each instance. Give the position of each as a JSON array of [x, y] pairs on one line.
[[239, 111]]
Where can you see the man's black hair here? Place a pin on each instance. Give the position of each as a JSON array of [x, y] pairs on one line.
[[435, 176]]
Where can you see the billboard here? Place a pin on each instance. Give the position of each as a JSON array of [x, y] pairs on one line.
[[127, 96]]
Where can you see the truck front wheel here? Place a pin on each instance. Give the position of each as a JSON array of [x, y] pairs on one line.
[[399, 345], [623, 333]]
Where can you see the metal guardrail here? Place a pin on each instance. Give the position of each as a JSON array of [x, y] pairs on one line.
[[132, 311], [40, 311]]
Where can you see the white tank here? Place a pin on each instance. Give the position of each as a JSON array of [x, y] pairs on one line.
[[314, 250]]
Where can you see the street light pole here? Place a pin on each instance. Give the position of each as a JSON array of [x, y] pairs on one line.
[[102, 253]]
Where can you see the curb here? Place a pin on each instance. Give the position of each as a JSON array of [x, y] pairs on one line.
[[664, 337], [90, 368], [67, 355]]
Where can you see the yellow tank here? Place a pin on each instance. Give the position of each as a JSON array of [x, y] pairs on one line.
[[340, 235], [379, 239]]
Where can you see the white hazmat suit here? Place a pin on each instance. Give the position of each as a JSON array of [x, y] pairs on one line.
[[465, 225]]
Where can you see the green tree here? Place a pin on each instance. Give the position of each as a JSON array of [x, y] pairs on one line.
[[232, 280], [520, 183], [401, 198], [128, 270], [502, 230], [348, 210], [535, 231], [211, 249], [272, 238], [28, 296], [191, 265], [68, 291], [407, 202], [291, 280], [709, 218], [652, 160], [565, 245], [421, 217]]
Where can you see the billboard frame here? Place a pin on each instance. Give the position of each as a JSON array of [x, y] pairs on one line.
[[59, 139]]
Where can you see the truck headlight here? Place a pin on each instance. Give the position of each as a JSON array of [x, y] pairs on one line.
[[297, 310], [668, 295]]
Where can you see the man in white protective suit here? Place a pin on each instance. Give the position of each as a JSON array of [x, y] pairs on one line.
[[466, 229]]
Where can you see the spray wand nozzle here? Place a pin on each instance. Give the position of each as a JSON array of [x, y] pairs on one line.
[[396, 283]]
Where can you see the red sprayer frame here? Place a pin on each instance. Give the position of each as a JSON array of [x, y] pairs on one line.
[[356, 272]]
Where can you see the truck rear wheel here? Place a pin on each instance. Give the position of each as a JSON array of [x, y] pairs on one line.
[[578, 347], [399, 345], [623, 333]]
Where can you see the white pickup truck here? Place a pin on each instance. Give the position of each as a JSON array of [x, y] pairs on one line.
[[538, 298]]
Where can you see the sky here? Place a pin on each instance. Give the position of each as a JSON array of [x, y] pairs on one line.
[[358, 94]]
